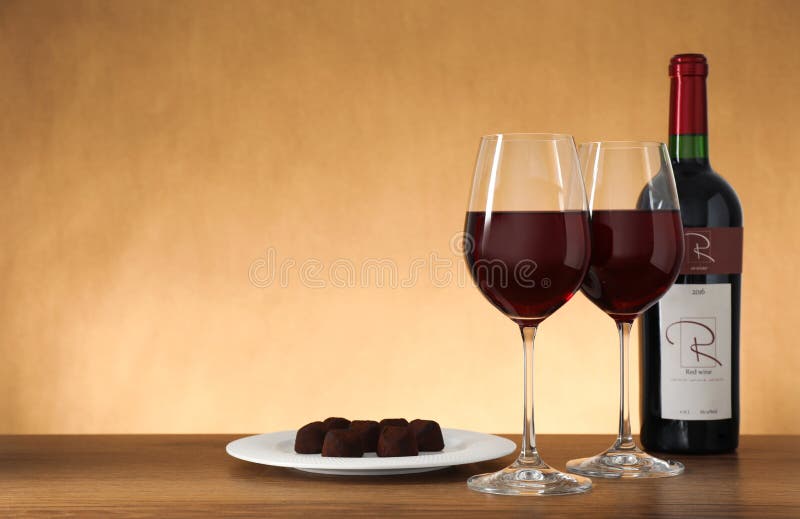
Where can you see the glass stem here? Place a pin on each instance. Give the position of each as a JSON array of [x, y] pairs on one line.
[[624, 438], [529, 455]]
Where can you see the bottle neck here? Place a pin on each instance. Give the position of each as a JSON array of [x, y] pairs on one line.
[[688, 119], [689, 148]]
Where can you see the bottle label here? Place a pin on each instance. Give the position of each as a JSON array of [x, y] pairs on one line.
[[696, 352], [712, 250]]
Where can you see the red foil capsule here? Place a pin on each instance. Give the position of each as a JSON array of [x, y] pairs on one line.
[[687, 107]]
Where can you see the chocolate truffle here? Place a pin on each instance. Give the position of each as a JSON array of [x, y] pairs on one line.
[[428, 434], [394, 421], [342, 443], [309, 438], [368, 430], [397, 441], [336, 423]]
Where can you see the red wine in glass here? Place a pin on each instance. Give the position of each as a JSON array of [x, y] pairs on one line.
[[527, 263], [635, 257]]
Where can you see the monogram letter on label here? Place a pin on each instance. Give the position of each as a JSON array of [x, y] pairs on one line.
[[694, 334], [712, 250], [700, 244]]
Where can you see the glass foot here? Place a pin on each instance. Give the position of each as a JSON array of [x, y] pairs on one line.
[[528, 479], [628, 463]]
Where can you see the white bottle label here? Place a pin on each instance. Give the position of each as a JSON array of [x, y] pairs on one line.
[[696, 352]]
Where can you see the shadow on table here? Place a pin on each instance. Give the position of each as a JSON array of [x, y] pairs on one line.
[[243, 470]]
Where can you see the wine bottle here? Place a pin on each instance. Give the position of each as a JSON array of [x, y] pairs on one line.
[[690, 338]]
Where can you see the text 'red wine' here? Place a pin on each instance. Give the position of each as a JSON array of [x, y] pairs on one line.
[[527, 263]]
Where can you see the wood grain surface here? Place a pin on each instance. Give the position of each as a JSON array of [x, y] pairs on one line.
[[191, 475]]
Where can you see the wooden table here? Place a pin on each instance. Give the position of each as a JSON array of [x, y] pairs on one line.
[[167, 476]]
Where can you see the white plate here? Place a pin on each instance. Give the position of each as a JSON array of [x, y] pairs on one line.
[[460, 447]]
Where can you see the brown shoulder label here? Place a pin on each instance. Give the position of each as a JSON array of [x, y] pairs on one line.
[[712, 250]]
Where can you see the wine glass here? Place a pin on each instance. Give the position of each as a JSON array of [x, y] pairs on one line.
[[637, 249], [527, 245]]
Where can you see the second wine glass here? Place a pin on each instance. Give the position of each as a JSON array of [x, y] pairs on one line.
[[637, 248]]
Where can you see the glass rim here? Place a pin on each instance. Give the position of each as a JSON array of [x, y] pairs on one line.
[[623, 144], [531, 136]]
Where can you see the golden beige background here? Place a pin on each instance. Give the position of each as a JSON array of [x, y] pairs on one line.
[[153, 153]]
